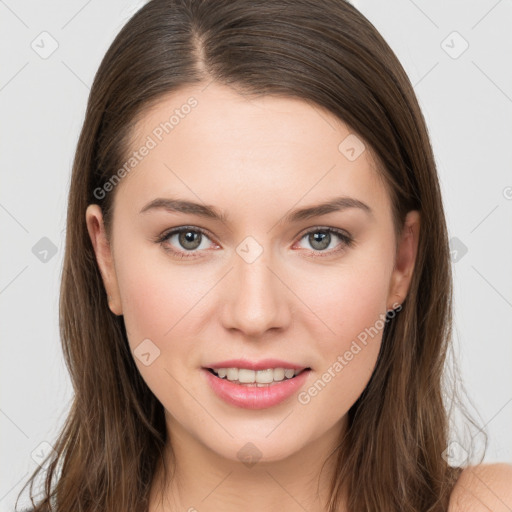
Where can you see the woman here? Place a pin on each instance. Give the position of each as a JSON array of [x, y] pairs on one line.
[[256, 303]]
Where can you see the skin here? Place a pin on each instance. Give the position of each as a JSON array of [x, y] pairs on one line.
[[240, 155], [483, 488]]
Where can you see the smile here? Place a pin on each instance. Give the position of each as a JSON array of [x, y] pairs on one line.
[[258, 377], [253, 394]]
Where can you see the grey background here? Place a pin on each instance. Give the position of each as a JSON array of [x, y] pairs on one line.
[[466, 99]]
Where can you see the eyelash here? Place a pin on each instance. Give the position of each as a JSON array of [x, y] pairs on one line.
[[347, 240]]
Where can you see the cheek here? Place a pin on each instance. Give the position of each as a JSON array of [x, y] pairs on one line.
[[350, 309], [146, 300], [156, 307], [164, 303], [346, 300], [156, 296]]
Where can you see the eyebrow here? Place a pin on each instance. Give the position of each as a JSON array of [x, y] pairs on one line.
[[208, 211]]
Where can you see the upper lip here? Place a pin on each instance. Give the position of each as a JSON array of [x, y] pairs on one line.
[[263, 364]]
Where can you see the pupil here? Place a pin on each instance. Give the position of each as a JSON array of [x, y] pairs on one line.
[[320, 237], [187, 239]]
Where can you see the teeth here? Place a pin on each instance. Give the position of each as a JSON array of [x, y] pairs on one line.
[[232, 373], [260, 377], [279, 373]]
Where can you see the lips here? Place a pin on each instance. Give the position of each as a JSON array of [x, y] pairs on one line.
[[263, 364], [252, 396]]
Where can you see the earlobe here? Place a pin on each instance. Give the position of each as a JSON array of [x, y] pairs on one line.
[[104, 257], [405, 259]]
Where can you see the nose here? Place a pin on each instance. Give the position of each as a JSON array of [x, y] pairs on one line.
[[256, 299]]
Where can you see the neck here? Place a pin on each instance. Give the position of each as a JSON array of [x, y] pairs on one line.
[[206, 481]]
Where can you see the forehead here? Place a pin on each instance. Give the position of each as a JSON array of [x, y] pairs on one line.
[[215, 142]]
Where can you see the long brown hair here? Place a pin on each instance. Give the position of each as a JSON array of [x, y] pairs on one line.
[[324, 52]]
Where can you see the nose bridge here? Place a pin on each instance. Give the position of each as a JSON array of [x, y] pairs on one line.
[[257, 300]]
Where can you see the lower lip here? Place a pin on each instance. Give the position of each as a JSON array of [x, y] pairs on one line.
[[255, 397]]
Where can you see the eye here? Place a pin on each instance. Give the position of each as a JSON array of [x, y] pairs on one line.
[[320, 238], [189, 241], [187, 237]]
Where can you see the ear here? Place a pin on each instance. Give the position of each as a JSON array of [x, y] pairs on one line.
[[405, 259], [104, 257]]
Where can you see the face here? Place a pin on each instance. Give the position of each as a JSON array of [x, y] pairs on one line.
[[258, 281]]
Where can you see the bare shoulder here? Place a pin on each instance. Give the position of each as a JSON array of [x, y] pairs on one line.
[[483, 488]]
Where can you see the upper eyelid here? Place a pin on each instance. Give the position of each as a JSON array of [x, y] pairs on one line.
[[338, 231], [179, 229]]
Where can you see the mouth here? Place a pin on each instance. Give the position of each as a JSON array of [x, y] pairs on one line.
[[256, 378], [255, 389]]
